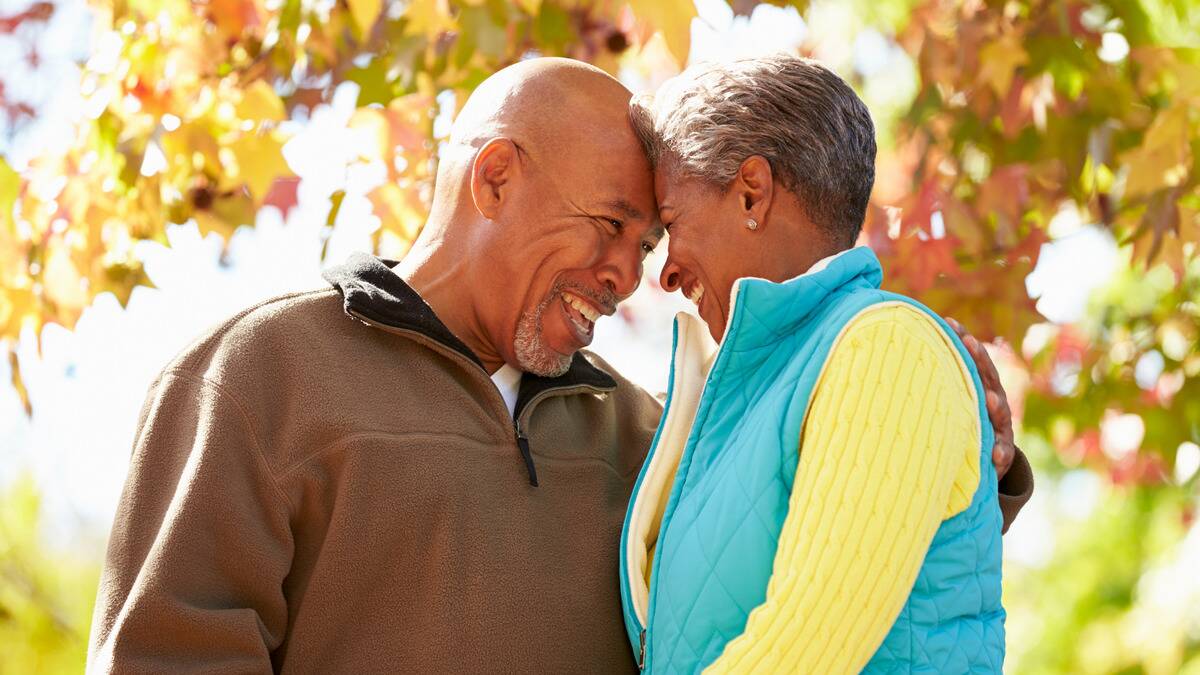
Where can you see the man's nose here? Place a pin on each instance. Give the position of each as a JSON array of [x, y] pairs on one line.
[[671, 277], [621, 272]]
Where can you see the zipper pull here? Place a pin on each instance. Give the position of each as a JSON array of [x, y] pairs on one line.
[[642, 650], [523, 445]]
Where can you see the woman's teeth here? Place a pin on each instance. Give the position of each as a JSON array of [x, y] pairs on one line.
[[696, 294], [582, 307]]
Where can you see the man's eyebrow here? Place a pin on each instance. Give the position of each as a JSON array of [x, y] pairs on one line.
[[658, 232], [625, 209]]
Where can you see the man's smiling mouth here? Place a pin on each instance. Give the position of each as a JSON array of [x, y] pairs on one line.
[[582, 315]]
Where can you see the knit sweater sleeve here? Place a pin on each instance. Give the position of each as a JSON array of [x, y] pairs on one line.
[[889, 449]]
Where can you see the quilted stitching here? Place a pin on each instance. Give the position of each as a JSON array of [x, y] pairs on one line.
[[724, 517]]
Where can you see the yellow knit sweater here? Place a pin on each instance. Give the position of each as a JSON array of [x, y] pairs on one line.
[[889, 449]]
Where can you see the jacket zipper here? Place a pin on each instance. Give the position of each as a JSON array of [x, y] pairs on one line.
[[521, 439], [526, 411], [642, 650], [523, 446]]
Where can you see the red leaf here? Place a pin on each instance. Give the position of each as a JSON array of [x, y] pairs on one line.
[[39, 11], [282, 194]]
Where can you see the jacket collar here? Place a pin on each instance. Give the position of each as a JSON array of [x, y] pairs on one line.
[[764, 311], [371, 289]]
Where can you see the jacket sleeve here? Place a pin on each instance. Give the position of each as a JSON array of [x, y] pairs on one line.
[[200, 546], [890, 448], [1015, 488]]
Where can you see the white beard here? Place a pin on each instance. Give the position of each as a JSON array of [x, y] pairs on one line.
[[533, 354]]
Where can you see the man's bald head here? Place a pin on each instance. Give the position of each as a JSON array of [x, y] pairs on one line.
[[544, 200], [543, 101]]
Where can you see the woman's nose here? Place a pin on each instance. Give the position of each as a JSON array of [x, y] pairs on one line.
[[670, 277]]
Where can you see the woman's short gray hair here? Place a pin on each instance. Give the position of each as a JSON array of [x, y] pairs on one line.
[[794, 112]]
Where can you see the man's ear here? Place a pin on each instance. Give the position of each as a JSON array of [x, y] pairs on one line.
[[492, 172], [755, 187]]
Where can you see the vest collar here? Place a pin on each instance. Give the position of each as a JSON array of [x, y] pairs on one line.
[[764, 311]]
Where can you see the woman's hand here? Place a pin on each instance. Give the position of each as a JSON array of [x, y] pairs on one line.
[[1005, 448]]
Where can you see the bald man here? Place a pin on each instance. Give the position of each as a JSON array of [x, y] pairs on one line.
[[420, 468], [416, 469]]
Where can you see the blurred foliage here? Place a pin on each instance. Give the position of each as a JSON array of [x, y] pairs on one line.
[[1024, 115], [45, 596], [1086, 375], [1029, 111], [1115, 597]]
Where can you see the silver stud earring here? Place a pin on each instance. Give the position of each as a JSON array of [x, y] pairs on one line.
[[751, 224]]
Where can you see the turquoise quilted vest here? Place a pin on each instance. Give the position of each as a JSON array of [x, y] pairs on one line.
[[725, 509]]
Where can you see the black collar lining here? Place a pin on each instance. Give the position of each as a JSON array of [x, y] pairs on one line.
[[371, 289]]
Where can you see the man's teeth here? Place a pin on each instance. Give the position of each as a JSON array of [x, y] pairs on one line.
[[582, 307], [696, 294]]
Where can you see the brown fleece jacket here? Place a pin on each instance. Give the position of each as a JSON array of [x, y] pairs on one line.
[[314, 493]]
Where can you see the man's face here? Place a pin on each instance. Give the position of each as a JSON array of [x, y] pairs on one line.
[[575, 233]]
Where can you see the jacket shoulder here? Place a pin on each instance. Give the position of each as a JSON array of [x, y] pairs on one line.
[[278, 322]]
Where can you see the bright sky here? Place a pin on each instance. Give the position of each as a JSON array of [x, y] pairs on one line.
[[88, 385]]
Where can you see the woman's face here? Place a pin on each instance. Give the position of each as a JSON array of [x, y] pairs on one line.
[[709, 246]]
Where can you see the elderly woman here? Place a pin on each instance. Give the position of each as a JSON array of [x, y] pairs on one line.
[[820, 496]]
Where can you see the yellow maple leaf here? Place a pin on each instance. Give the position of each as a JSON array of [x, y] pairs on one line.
[[259, 161], [399, 211], [428, 17], [64, 285], [260, 103], [365, 12], [672, 18]]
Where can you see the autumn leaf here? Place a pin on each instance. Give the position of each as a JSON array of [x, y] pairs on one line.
[[998, 63], [399, 212], [1162, 159], [365, 12], [672, 18], [335, 206], [531, 7], [428, 17], [260, 103], [10, 186], [63, 285], [371, 123], [14, 365], [259, 161], [283, 195]]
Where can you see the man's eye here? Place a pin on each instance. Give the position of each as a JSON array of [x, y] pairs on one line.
[[648, 248]]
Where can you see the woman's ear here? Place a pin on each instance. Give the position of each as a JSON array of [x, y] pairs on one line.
[[492, 172], [755, 188]]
